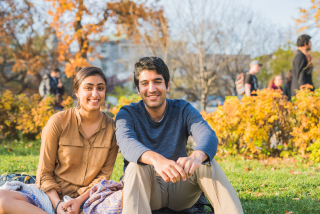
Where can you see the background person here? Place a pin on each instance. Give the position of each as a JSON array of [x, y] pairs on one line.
[[275, 83], [302, 64], [49, 84], [52, 85], [78, 150], [287, 85], [251, 81]]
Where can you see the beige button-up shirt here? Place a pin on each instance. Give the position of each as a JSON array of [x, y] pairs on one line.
[[69, 162]]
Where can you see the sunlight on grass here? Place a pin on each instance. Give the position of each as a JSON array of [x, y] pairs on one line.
[[267, 186]]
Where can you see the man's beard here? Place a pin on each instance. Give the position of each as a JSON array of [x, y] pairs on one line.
[[152, 106]]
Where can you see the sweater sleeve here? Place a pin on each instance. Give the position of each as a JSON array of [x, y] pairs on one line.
[[130, 147], [202, 134]]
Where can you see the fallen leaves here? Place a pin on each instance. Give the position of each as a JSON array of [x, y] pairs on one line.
[[289, 212], [294, 173], [258, 194], [247, 169]]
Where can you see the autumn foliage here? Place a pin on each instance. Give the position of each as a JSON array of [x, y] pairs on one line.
[[309, 17], [124, 101], [88, 21], [26, 115], [267, 124]]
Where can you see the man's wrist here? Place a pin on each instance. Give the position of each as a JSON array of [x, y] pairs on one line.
[[200, 155], [156, 158]]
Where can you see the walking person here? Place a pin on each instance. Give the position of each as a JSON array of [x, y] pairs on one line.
[[251, 81], [302, 66], [275, 83]]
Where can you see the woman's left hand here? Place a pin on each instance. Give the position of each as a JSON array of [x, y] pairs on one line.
[[73, 206]]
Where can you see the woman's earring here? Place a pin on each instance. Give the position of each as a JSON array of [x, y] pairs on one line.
[[78, 103]]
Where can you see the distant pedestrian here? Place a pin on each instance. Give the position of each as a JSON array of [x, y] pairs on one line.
[[276, 83], [51, 85], [251, 81], [287, 85], [301, 65]]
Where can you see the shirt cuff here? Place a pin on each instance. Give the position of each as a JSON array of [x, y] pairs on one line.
[[46, 187]]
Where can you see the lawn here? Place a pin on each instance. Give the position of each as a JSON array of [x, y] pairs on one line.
[[268, 186]]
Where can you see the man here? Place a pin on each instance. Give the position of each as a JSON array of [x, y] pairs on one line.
[[152, 135], [50, 83], [251, 81], [301, 64]]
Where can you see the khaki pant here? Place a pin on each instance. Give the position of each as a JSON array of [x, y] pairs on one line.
[[144, 190]]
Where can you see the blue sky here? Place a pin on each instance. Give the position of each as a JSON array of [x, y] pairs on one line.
[[281, 12]]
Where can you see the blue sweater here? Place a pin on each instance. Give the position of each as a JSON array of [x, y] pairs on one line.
[[137, 132]]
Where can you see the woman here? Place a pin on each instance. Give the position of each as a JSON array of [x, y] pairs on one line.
[[78, 150], [276, 83], [287, 85]]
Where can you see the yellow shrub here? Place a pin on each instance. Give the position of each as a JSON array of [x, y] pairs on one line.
[[247, 125], [27, 115], [124, 101], [307, 118]]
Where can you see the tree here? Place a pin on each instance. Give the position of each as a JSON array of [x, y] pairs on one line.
[[25, 51], [78, 21], [207, 44], [309, 18]]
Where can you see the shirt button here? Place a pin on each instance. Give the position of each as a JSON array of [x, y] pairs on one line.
[[80, 179], [87, 146]]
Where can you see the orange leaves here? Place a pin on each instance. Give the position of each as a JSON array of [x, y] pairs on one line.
[[309, 17], [75, 21]]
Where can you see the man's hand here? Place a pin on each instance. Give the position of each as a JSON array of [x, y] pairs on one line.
[[193, 162], [169, 170]]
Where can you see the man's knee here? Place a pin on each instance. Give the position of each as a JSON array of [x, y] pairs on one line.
[[137, 169], [138, 173]]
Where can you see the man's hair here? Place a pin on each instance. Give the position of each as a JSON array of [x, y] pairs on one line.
[[303, 40], [151, 64], [56, 70]]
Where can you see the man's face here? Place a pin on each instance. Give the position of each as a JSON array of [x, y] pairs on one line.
[[55, 74], [152, 88], [309, 45], [255, 68]]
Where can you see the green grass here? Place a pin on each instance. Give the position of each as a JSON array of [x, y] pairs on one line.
[[269, 186]]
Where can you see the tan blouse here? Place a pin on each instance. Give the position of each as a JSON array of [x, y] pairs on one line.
[[69, 162]]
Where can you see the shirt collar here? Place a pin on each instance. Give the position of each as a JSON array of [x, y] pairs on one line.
[[103, 125]]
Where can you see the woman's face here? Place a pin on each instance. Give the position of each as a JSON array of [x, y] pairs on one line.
[[91, 93], [278, 81]]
